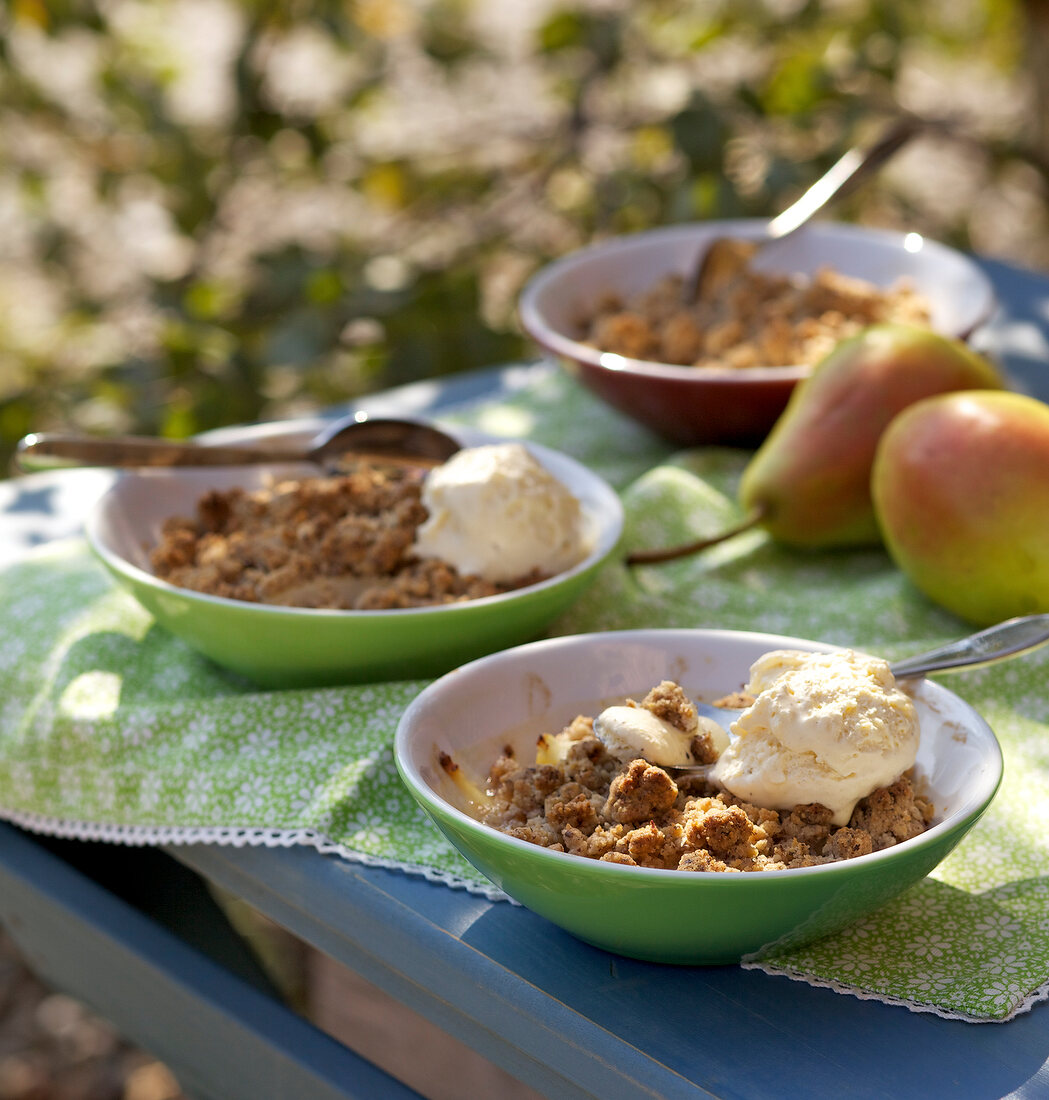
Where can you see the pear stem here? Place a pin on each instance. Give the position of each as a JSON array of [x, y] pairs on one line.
[[669, 553]]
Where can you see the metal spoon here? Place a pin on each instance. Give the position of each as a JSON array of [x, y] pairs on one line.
[[387, 439], [725, 257], [997, 643]]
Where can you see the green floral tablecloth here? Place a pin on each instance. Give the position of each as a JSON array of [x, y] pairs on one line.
[[112, 729]]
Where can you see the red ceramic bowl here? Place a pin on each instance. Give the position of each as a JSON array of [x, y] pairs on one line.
[[691, 405]]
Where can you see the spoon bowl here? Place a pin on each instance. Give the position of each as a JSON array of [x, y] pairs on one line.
[[382, 438]]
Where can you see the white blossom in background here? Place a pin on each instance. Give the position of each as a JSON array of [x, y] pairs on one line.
[[304, 71], [64, 68], [192, 45]]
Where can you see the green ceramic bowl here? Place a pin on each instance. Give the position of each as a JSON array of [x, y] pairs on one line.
[[291, 647], [669, 916]]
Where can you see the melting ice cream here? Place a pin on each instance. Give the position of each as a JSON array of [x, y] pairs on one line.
[[497, 512], [824, 727]]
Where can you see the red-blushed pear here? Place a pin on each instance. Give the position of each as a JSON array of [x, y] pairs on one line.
[[961, 488], [808, 484], [810, 479]]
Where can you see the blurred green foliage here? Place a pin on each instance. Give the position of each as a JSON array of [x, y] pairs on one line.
[[216, 211]]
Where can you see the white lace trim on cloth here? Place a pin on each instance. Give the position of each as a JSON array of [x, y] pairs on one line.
[[231, 836], [143, 835], [775, 970]]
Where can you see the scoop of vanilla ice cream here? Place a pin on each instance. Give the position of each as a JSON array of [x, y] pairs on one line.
[[497, 512], [824, 727], [631, 732]]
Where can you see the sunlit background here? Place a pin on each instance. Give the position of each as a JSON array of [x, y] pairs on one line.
[[215, 211]]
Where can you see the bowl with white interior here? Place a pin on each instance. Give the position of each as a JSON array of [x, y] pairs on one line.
[[278, 646], [670, 916]]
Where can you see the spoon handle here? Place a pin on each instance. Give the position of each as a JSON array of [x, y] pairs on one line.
[[853, 166], [50, 450], [1007, 639]]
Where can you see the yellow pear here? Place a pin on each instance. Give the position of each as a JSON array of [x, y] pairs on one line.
[[960, 485], [810, 479]]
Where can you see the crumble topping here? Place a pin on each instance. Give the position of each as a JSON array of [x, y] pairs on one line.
[[751, 318], [583, 801], [343, 541]]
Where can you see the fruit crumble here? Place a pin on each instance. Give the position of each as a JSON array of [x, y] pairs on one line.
[[580, 799], [343, 541], [751, 319]]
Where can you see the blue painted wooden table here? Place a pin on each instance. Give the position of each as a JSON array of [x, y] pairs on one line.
[[568, 1019]]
